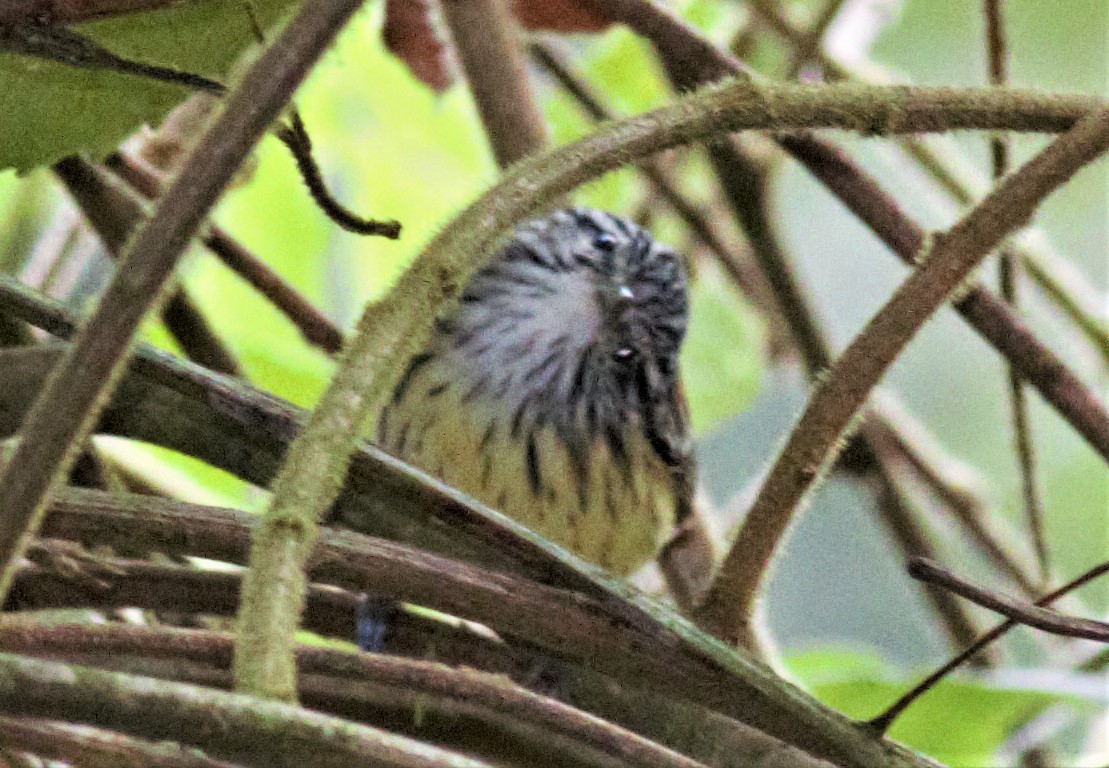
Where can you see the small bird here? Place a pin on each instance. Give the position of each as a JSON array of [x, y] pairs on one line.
[[551, 392]]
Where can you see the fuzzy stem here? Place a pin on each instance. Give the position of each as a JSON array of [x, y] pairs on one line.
[[836, 403]]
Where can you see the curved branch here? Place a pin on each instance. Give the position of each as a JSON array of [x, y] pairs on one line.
[[91, 748], [230, 726], [393, 329], [378, 683], [815, 440]]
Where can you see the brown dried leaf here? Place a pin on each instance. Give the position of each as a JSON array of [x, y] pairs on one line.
[[565, 16], [408, 33]]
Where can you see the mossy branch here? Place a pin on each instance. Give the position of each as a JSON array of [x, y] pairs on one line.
[[836, 403]]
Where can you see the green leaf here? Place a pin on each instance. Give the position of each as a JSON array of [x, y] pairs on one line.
[[49, 110], [723, 356], [961, 722]]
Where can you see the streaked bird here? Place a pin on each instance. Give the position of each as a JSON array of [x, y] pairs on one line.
[[550, 391]]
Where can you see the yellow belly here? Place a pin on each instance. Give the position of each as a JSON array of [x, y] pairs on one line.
[[617, 519]]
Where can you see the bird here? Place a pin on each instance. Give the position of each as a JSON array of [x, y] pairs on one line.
[[550, 390]]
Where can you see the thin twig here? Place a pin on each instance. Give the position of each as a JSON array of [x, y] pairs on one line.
[[809, 45], [1009, 277], [1020, 612], [298, 141], [486, 39], [814, 441], [882, 723], [313, 324], [78, 388], [65, 46], [957, 485]]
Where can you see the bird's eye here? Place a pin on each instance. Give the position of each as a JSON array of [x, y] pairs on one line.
[[604, 242], [623, 354]]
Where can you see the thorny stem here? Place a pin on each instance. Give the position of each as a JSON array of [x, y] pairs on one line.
[[837, 402], [882, 723], [1009, 277], [78, 388], [1022, 613]]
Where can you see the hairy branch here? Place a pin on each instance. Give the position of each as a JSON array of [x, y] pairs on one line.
[[836, 403]]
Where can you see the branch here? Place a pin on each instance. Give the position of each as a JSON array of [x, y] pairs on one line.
[[313, 324], [393, 329], [297, 140], [692, 61], [834, 405], [1006, 332], [78, 388], [1054, 275], [750, 282], [1020, 612], [114, 213], [487, 41], [1008, 276], [882, 723], [89, 748], [171, 402], [229, 726], [74, 11], [745, 183], [381, 685]]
